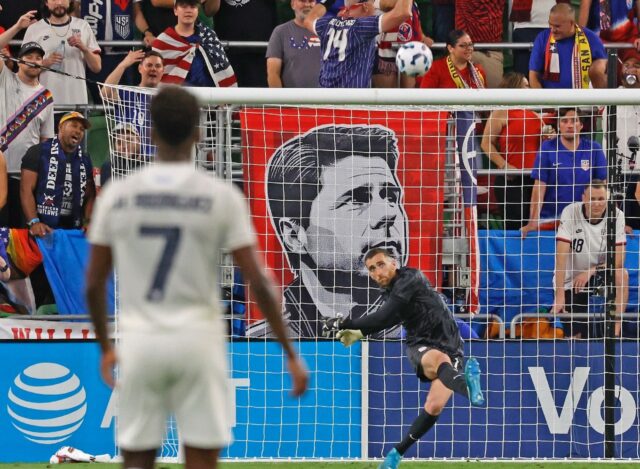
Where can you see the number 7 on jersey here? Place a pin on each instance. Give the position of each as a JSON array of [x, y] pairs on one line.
[[171, 236]]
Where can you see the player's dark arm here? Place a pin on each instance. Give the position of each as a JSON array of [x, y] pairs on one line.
[[28, 182], [318, 11], [90, 199], [385, 317], [268, 300], [392, 19]]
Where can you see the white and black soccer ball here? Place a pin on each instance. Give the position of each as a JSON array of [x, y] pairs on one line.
[[414, 58]]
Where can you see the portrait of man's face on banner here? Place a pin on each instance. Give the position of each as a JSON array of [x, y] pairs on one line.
[[331, 194]]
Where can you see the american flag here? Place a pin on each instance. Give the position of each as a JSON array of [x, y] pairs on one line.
[[178, 53]]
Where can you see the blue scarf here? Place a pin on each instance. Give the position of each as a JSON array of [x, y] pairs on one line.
[[51, 183]]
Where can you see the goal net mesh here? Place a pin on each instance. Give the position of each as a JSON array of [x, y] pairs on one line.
[[473, 197]]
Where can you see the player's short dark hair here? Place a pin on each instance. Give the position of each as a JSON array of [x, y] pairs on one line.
[[294, 173], [454, 36], [152, 53], [595, 184], [375, 251], [174, 115], [563, 111]]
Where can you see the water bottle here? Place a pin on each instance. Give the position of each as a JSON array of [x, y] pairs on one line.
[[58, 50]]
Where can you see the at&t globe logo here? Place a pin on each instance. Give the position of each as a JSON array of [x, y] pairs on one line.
[[47, 403]]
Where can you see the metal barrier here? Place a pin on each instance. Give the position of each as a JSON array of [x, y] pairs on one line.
[[488, 318], [435, 45], [518, 319]]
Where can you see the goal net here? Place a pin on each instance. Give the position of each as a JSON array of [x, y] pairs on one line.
[[469, 186]]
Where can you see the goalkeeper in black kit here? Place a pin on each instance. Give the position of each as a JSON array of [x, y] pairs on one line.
[[434, 345]]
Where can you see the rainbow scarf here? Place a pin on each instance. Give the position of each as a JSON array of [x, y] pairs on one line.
[[580, 60], [476, 76], [25, 114], [23, 250]]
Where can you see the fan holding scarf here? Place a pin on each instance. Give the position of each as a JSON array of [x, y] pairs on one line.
[[57, 188], [566, 55], [456, 70]]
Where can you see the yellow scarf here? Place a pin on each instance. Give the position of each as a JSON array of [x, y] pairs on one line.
[[580, 61], [476, 76]]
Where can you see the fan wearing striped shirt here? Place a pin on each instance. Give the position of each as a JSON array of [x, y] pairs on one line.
[[348, 41]]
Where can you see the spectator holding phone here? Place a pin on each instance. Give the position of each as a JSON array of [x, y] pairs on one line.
[[69, 45]]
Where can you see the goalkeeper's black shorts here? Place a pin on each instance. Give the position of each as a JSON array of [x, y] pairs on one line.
[[415, 353]]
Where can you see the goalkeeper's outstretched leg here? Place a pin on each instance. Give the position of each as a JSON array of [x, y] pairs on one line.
[[446, 378]]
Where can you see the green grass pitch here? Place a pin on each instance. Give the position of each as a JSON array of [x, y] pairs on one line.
[[355, 465]]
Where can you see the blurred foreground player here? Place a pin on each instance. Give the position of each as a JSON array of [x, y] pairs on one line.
[[163, 228], [434, 345]]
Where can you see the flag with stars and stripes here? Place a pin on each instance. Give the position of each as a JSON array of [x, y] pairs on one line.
[[178, 54]]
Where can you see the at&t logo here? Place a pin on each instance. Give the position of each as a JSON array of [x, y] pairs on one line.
[[46, 403]]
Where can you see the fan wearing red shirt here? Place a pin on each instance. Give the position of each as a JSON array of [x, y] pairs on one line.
[[456, 69], [511, 141]]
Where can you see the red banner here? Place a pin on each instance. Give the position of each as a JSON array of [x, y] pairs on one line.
[[326, 185]]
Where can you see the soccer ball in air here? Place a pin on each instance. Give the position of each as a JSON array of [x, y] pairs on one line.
[[414, 58]]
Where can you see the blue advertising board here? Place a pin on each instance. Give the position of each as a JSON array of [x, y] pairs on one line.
[[544, 400], [51, 395], [324, 423]]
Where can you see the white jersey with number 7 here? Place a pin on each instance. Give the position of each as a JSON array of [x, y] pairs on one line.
[[166, 226]]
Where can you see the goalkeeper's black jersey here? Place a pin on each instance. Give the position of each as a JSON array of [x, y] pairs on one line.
[[411, 301]]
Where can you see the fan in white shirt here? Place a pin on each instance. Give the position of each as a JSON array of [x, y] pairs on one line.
[[581, 250]]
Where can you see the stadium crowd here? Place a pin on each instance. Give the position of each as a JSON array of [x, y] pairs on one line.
[[331, 43]]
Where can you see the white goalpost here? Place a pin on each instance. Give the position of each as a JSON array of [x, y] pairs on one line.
[[445, 180]]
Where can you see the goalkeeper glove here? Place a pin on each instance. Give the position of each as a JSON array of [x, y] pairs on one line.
[[348, 337], [331, 325]]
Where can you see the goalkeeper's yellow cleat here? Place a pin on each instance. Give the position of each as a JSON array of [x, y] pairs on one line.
[[348, 337]]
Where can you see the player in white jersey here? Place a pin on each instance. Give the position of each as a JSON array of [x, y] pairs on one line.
[[163, 229], [581, 251]]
